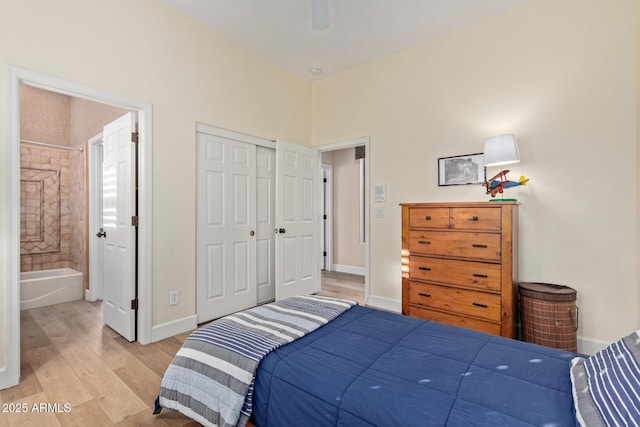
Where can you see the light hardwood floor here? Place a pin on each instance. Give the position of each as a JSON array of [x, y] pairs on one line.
[[343, 285], [76, 371]]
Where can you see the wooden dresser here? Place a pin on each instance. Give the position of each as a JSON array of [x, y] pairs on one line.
[[459, 264]]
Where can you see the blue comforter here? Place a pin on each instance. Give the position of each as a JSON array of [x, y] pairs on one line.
[[374, 368]]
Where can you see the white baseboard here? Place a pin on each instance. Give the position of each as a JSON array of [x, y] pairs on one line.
[[348, 269], [591, 346], [175, 327], [384, 303]]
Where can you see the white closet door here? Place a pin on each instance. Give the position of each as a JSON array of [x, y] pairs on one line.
[[297, 220], [265, 223], [226, 215]]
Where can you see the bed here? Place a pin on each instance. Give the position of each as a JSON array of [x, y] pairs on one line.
[[367, 367]]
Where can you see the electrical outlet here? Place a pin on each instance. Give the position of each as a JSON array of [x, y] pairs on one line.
[[174, 297]]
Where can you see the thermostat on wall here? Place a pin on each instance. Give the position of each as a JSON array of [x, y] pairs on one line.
[[380, 193]]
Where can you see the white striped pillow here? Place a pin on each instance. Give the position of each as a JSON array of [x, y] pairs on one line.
[[606, 386]]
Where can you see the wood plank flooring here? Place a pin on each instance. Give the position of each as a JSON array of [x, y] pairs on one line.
[[343, 285], [75, 371]]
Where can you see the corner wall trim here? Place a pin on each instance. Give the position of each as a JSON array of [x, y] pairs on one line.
[[174, 327]]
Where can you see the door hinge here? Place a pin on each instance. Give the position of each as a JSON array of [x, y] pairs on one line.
[[134, 304], [134, 137], [324, 180], [324, 217], [135, 220], [324, 253]]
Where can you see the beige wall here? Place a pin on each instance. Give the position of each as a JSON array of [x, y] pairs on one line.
[[88, 118], [561, 75], [44, 116], [146, 51]]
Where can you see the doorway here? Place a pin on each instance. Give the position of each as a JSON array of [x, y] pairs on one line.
[[345, 218], [58, 160], [17, 77]]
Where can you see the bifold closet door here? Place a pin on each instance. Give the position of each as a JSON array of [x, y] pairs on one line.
[[265, 223], [226, 226]]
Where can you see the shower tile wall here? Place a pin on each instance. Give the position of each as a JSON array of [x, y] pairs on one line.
[[45, 220], [77, 210]]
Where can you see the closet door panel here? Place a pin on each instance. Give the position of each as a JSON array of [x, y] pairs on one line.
[[297, 220], [265, 222], [225, 221]]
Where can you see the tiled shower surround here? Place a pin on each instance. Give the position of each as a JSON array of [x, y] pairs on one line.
[[52, 208]]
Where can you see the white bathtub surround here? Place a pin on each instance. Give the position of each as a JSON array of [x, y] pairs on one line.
[[47, 287]]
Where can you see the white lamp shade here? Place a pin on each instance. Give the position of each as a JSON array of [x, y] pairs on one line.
[[501, 150]]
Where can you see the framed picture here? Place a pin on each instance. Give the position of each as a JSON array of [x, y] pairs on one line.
[[461, 170]]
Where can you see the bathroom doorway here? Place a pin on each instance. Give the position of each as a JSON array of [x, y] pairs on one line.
[[17, 80], [54, 188]]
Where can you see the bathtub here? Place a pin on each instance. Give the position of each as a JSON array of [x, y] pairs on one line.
[[46, 287]]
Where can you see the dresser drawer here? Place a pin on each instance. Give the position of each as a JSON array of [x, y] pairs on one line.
[[476, 218], [472, 303], [429, 218], [478, 275], [461, 244], [455, 320]]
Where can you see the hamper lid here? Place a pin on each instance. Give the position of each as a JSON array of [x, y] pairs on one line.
[[547, 291]]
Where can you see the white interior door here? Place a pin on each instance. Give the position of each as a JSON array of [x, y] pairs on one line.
[[225, 221], [265, 223], [118, 208], [297, 220]]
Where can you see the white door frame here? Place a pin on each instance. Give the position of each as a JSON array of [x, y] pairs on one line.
[[10, 287], [94, 148], [326, 203], [367, 200]]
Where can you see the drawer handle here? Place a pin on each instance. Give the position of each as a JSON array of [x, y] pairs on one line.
[[428, 217], [424, 294], [477, 304], [484, 276], [424, 242], [424, 268], [478, 245], [475, 218]]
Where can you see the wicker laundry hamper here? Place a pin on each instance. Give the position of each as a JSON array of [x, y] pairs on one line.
[[549, 315]]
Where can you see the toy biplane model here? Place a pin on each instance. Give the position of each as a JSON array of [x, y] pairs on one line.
[[499, 182]]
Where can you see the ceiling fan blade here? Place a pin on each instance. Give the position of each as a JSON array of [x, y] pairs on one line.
[[319, 14]]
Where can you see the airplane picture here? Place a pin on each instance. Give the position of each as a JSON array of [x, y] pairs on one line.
[[499, 182]]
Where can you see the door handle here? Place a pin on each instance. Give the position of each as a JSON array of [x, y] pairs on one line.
[[282, 231], [252, 233], [101, 233]]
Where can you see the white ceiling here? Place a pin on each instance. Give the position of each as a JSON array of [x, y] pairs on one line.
[[360, 30]]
